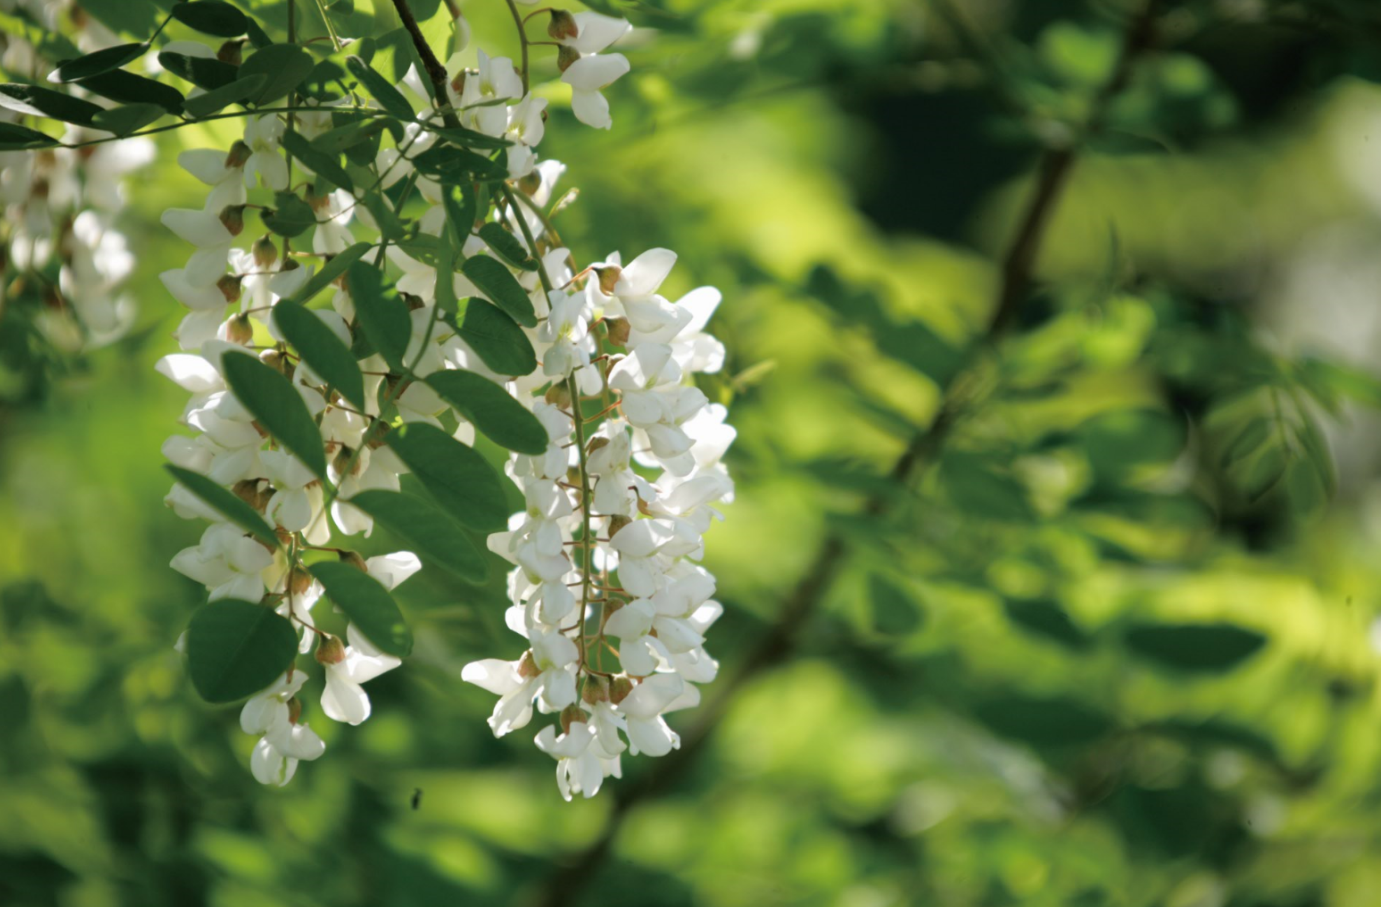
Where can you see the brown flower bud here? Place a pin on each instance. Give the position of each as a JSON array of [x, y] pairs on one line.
[[616, 523], [529, 183], [353, 559], [619, 328], [299, 581], [239, 330], [608, 277], [239, 153], [330, 651], [294, 710], [562, 25], [558, 395], [619, 689], [233, 216], [284, 536], [570, 715], [341, 461], [230, 52], [413, 302], [229, 285], [292, 264], [265, 251], [596, 689], [248, 490], [527, 666], [595, 444], [565, 56]]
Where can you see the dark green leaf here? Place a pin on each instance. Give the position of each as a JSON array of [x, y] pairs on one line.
[[232, 93], [1194, 647], [330, 271], [460, 212], [461, 480], [383, 91], [508, 246], [290, 215], [321, 349], [368, 605], [492, 409], [1048, 619], [202, 72], [435, 537], [384, 217], [895, 612], [21, 138], [257, 37], [384, 318], [128, 88], [277, 406], [469, 138], [334, 141], [286, 66], [236, 648], [212, 17], [1043, 722], [494, 337], [447, 163], [96, 63], [44, 102], [127, 119], [500, 286], [318, 162], [226, 503], [135, 17]]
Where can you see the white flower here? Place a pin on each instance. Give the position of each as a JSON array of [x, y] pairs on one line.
[[262, 135], [588, 77], [284, 741], [344, 699]]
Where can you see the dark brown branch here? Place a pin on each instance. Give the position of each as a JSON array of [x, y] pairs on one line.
[[564, 885], [436, 72]]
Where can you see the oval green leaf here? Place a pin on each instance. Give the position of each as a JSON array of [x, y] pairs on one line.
[[508, 246], [500, 286], [317, 161], [383, 91], [384, 319], [367, 603], [289, 216], [461, 480], [128, 88], [232, 93], [226, 503], [285, 65], [128, 118], [330, 271], [321, 349], [202, 72], [494, 337], [44, 102], [278, 407], [21, 138], [1209, 648], [435, 537], [212, 17], [96, 63], [503, 419], [236, 648]]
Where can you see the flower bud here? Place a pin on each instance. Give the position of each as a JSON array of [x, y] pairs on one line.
[[353, 559], [233, 216], [342, 459], [294, 710], [413, 302], [617, 522], [229, 285], [570, 715], [299, 581], [284, 536], [330, 651], [558, 395], [248, 490], [619, 328], [596, 689], [608, 277], [527, 666], [562, 25], [529, 183], [273, 359], [238, 155], [595, 444], [292, 264], [619, 689], [230, 52], [239, 330], [565, 56], [265, 251]]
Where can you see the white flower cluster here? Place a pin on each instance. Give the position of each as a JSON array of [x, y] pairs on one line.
[[616, 506], [60, 203]]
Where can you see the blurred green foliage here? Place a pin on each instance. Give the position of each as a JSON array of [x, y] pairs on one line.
[[1111, 648]]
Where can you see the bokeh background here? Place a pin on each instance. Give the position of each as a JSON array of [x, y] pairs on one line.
[[1113, 646]]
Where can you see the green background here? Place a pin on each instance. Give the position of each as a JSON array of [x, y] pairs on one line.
[[1111, 646]]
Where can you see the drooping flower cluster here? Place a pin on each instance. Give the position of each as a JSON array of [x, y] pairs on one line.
[[606, 590], [59, 247]]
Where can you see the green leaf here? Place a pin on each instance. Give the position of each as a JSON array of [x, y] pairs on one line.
[[277, 406], [318, 162], [330, 271], [226, 503], [435, 537], [367, 603], [127, 119], [469, 138], [236, 648], [50, 45], [895, 613], [460, 212], [232, 93], [384, 218], [383, 91], [503, 419], [348, 135], [321, 349], [290, 215], [384, 319], [494, 337], [1046, 618], [44, 102], [1043, 722], [135, 17], [461, 480], [451, 164], [285, 65], [212, 17], [257, 37], [508, 246], [128, 88], [500, 286], [96, 63], [1194, 647], [446, 298], [21, 138], [202, 72]]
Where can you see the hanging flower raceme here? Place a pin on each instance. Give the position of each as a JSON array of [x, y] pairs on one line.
[[373, 280]]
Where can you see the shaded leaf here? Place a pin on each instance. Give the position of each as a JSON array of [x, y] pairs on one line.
[[321, 349], [492, 409], [499, 285], [44, 102], [494, 337], [330, 271], [290, 215], [212, 17], [21, 138], [226, 503], [128, 88], [127, 119], [508, 246], [94, 64], [1058, 721], [236, 648], [383, 91], [277, 406], [435, 537], [286, 66], [368, 605], [233, 93], [317, 161], [384, 318], [1046, 618], [1194, 647], [200, 71], [461, 480]]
